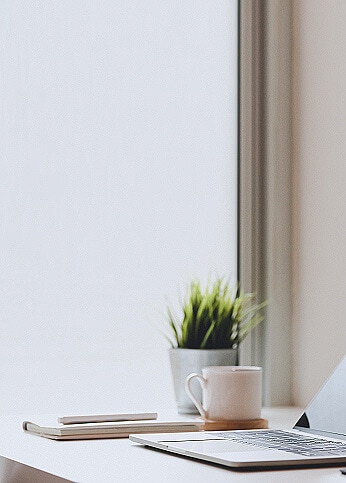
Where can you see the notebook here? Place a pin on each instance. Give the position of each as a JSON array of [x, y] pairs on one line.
[[317, 438], [120, 429]]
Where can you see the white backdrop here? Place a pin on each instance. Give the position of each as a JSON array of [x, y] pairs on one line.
[[118, 131]]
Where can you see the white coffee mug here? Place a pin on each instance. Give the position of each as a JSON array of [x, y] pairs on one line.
[[228, 392]]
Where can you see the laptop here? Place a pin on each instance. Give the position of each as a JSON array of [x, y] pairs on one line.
[[318, 438]]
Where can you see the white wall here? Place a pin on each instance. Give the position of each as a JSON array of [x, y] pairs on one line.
[[319, 205], [118, 133]]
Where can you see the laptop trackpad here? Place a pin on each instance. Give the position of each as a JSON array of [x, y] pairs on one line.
[[211, 446]]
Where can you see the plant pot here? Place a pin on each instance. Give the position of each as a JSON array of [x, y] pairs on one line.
[[185, 361]]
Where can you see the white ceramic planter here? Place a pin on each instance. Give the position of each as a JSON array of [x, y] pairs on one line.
[[185, 361]]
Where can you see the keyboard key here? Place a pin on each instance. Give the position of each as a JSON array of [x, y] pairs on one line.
[[289, 442]]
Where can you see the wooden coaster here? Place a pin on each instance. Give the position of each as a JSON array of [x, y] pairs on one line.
[[224, 425]]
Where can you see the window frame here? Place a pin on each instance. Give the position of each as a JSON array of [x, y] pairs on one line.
[[264, 247]]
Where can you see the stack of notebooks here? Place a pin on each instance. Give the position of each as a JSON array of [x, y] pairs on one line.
[[110, 426]]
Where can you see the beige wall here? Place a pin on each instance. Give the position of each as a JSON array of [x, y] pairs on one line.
[[319, 188]]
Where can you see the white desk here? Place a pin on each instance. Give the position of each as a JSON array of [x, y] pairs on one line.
[[118, 460]]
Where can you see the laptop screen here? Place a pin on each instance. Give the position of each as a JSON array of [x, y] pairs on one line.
[[327, 411]]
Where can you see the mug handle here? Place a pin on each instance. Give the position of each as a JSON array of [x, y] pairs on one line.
[[195, 401]]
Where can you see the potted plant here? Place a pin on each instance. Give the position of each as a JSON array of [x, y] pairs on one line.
[[209, 331]]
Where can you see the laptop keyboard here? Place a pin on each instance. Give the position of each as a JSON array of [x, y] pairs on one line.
[[290, 442]]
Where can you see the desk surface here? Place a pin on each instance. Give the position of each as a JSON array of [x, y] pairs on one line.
[[122, 461]]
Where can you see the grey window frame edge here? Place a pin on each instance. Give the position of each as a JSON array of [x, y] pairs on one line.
[[264, 199]]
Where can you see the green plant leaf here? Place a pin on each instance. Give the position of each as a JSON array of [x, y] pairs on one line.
[[217, 317]]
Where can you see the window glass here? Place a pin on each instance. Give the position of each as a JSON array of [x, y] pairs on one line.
[[118, 161]]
